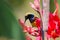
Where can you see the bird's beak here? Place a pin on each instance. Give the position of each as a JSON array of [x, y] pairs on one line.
[[25, 18]]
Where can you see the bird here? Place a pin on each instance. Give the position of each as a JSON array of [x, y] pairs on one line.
[[35, 22]]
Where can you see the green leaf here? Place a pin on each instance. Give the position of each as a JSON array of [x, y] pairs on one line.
[[52, 6], [9, 26]]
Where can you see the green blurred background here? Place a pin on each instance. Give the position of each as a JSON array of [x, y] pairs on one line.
[[10, 12]]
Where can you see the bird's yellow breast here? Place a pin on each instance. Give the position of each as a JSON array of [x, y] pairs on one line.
[[34, 24]]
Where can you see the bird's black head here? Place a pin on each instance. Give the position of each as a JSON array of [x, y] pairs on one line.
[[30, 17]]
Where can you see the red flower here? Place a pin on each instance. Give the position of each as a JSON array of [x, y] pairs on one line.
[[54, 34], [54, 26]]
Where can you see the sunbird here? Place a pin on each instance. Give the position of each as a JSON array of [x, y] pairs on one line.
[[35, 21]]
